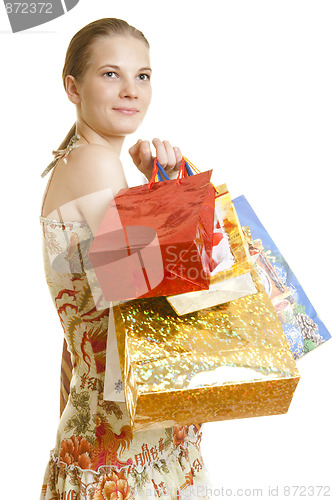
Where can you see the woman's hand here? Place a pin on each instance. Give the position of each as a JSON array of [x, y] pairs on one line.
[[169, 157]]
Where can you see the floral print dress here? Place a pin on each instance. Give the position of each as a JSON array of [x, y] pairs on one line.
[[97, 456]]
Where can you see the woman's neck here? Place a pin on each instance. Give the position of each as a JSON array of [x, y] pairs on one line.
[[92, 137]]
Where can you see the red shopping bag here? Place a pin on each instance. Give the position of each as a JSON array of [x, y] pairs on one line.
[[156, 239]]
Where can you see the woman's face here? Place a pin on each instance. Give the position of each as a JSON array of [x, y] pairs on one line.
[[115, 91]]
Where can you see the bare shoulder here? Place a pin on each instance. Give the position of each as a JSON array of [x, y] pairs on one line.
[[88, 159], [95, 175], [97, 150], [93, 167]]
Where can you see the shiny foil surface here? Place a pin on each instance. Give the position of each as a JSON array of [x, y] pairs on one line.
[[229, 361], [238, 246], [175, 259], [235, 280]]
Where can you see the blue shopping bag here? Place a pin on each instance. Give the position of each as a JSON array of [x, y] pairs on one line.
[[302, 326]]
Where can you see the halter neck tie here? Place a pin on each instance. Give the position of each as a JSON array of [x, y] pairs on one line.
[[62, 153]]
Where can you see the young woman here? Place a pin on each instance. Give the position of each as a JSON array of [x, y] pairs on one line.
[[97, 456]]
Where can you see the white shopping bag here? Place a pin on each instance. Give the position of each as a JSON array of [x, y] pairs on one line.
[[218, 293]]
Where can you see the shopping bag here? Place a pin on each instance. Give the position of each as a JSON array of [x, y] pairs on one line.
[[230, 276], [156, 239], [225, 362], [113, 385], [303, 328]]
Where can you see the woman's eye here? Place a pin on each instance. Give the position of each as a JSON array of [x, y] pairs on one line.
[[144, 76], [110, 73]]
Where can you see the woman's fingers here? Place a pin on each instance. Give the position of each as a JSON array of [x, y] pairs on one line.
[[168, 157], [178, 156], [134, 151], [140, 151], [145, 154], [142, 157], [160, 152], [171, 160]]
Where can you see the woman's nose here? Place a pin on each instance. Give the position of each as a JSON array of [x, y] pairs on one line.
[[128, 89]]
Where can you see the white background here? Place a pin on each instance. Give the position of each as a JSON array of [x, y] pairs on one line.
[[243, 87]]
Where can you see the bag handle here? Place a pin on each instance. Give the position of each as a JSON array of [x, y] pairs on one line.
[[195, 170], [158, 171], [186, 169]]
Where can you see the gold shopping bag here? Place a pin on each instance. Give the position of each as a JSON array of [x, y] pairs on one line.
[[231, 277], [225, 362]]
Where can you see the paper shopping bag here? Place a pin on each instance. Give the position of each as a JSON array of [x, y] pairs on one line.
[[302, 326], [156, 239], [230, 276], [229, 361], [113, 386]]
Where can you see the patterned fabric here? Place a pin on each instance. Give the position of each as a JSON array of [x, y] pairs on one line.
[[97, 456]]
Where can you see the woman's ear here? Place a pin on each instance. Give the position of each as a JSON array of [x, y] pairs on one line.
[[72, 89]]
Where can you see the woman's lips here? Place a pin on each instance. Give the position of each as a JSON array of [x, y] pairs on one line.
[[126, 111]]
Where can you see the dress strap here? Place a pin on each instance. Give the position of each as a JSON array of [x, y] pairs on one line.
[[62, 153]]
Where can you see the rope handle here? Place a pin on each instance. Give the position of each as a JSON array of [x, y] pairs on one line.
[[186, 169], [158, 173], [195, 169]]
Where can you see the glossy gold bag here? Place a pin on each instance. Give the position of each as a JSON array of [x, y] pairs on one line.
[[229, 361], [230, 277]]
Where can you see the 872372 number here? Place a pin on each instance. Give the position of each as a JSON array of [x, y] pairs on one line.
[[307, 491], [29, 8]]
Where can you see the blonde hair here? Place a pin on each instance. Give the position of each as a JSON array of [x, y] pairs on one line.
[[78, 55]]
